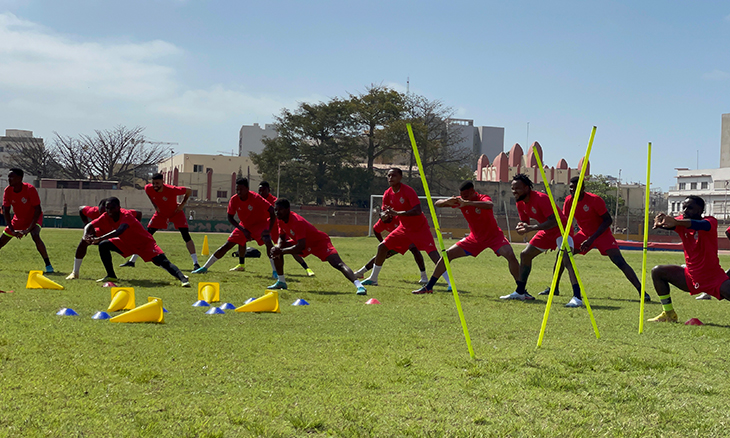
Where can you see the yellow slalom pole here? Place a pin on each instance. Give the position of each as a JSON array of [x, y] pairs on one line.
[[565, 232], [646, 239], [440, 239]]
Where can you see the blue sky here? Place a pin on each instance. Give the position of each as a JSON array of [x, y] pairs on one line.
[[194, 71]]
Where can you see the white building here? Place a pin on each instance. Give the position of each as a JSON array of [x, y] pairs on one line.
[[250, 138], [483, 140]]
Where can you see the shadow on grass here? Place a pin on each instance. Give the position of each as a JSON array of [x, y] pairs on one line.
[[148, 283], [330, 292], [710, 324], [635, 300]]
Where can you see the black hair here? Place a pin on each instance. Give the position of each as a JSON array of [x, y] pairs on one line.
[[157, 176], [17, 171], [466, 185], [524, 178], [103, 202], [264, 184], [698, 200], [575, 179], [396, 169], [113, 201], [282, 203], [242, 182]]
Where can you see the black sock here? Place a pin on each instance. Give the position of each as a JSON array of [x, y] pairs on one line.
[[241, 260], [431, 283], [47, 261], [105, 254], [521, 287], [576, 291]]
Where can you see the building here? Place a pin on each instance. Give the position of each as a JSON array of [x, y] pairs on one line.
[[15, 138], [250, 138], [211, 177], [483, 140], [505, 166]]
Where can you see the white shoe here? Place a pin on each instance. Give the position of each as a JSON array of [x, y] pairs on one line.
[[73, 276], [515, 296], [704, 296], [423, 281], [575, 302]]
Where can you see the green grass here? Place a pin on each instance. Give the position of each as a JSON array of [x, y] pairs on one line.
[[342, 368]]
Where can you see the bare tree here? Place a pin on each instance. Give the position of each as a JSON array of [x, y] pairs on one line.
[[31, 155], [73, 156]]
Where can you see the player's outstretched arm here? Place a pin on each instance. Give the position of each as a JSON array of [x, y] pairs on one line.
[[84, 218], [451, 202], [110, 235]]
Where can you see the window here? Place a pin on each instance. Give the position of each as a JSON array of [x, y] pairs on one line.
[[198, 168], [194, 194], [222, 194], [2, 149], [705, 185], [693, 186], [682, 186]]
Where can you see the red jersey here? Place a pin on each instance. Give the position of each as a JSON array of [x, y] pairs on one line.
[[253, 210], [700, 249], [136, 231], [538, 207], [270, 199], [108, 225], [91, 212], [298, 228], [165, 200], [404, 200], [482, 223], [589, 212], [23, 202]]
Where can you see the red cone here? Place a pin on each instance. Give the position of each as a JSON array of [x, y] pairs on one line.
[[109, 284], [693, 321], [372, 301]]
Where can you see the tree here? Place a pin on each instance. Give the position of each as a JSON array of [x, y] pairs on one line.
[[31, 155], [599, 185]]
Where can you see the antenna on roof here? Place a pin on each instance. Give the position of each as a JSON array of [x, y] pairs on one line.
[[408, 84]]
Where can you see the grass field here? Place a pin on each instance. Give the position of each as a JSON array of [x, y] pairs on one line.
[[342, 368]]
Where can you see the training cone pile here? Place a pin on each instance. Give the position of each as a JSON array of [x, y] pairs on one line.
[[694, 321], [67, 311], [215, 311], [201, 303], [122, 299], [250, 300], [227, 306], [101, 315], [150, 312], [36, 280], [372, 301], [267, 303], [206, 250], [300, 302], [209, 292]]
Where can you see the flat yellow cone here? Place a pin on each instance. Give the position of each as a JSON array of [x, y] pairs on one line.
[[206, 250], [150, 312], [209, 292], [122, 299], [267, 303], [36, 280]]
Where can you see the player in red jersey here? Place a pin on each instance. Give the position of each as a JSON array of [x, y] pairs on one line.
[[389, 225], [401, 201], [127, 237], [256, 221], [484, 233], [164, 199], [27, 215], [297, 236], [536, 205], [265, 192], [594, 223], [88, 214], [702, 271]]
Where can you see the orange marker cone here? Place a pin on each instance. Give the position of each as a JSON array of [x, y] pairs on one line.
[[206, 250], [36, 280], [150, 312], [122, 299], [267, 303], [209, 292]]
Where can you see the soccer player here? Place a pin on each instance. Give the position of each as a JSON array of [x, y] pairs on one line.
[[484, 233], [256, 222], [127, 237], [702, 271], [265, 192], [297, 236], [536, 205], [87, 215], [401, 201], [594, 223], [389, 225], [164, 199], [27, 215]]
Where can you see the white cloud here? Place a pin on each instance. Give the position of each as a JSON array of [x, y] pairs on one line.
[[716, 75]]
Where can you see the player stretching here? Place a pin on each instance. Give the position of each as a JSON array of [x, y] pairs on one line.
[[484, 233], [256, 222], [297, 236], [536, 205], [88, 214], [127, 237], [27, 215], [391, 224], [702, 272], [164, 199], [594, 223], [401, 201], [265, 192]]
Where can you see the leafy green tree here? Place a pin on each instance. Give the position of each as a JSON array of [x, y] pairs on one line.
[[599, 185]]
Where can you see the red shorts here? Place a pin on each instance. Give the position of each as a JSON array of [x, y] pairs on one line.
[[401, 239], [473, 246], [547, 239], [159, 222], [20, 225], [381, 226], [709, 283], [603, 243], [321, 249], [256, 231], [144, 249]]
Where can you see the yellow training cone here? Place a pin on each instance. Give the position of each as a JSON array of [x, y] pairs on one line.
[[122, 299], [36, 280], [150, 312], [206, 250], [209, 292], [267, 303]]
